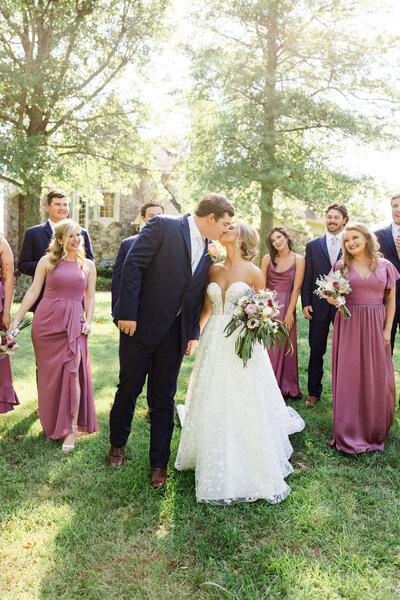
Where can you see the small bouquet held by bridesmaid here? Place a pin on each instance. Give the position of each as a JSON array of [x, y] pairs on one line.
[[334, 286], [256, 315], [8, 345]]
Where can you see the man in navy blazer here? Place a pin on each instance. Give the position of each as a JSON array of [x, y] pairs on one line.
[[36, 239], [389, 241], [147, 212], [158, 311], [321, 255]]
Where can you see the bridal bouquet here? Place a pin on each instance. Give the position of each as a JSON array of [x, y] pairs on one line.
[[334, 286], [8, 345], [256, 316]]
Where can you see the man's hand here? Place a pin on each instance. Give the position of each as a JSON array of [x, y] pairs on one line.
[[128, 327], [191, 347], [306, 312]]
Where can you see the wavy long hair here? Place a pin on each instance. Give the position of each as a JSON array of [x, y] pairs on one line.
[[371, 248], [57, 249], [273, 252], [251, 240]]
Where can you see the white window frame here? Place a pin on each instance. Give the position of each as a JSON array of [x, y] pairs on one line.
[[108, 220], [75, 209]]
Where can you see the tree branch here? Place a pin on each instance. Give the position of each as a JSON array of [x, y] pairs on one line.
[[10, 180]]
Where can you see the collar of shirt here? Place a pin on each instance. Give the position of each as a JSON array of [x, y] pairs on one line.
[[329, 237], [194, 231], [52, 224], [395, 230]]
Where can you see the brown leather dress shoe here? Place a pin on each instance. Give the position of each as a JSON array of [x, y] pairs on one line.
[[116, 456], [148, 416], [311, 400], [158, 477]]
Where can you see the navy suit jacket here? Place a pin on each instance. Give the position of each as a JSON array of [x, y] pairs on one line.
[[317, 263], [35, 244], [157, 281], [389, 251], [117, 270]]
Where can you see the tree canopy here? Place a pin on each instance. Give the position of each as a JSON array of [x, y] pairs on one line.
[[280, 88], [61, 119]]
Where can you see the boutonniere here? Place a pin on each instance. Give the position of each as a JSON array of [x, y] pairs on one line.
[[216, 252]]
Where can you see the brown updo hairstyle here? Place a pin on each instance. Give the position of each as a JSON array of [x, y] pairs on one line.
[[371, 247], [273, 252], [57, 249], [251, 240]]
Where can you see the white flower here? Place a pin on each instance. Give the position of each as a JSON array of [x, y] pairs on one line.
[[252, 323]]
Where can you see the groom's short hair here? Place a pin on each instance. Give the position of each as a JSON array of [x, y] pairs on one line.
[[214, 203]]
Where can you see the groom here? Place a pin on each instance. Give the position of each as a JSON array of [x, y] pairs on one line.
[[158, 311]]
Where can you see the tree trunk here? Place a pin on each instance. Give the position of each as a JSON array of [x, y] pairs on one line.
[[32, 206], [267, 216]]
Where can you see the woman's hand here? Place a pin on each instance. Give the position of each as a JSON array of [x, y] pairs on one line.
[[336, 301], [14, 325], [86, 328], [288, 321], [387, 332], [6, 319]]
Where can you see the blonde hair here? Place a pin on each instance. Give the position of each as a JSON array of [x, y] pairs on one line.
[[57, 251], [371, 247], [251, 240]]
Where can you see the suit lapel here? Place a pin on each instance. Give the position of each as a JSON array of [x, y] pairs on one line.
[[322, 241], [202, 260], [48, 229], [390, 241], [186, 237]]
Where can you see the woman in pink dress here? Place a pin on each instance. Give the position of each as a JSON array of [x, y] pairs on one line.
[[59, 335], [8, 397], [362, 368], [283, 270]]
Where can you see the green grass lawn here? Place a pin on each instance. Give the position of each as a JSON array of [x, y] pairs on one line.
[[72, 528]]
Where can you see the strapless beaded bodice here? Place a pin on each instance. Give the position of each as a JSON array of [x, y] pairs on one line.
[[235, 291]]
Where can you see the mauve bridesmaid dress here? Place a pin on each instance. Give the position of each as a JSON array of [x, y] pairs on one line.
[[57, 338], [8, 397], [284, 363], [362, 368]]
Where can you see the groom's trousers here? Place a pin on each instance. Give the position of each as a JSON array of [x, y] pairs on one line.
[[135, 358]]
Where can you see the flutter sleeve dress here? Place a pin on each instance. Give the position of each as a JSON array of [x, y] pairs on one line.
[[362, 368]]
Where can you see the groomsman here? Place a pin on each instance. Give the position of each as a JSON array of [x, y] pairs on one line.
[[36, 239], [161, 297], [389, 241], [147, 212], [321, 255]]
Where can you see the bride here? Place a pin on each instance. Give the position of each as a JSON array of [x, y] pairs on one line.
[[236, 427]]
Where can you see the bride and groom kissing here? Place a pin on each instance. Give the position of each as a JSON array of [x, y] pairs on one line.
[[238, 456]]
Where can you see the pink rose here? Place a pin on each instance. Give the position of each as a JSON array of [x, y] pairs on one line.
[[251, 309], [336, 285]]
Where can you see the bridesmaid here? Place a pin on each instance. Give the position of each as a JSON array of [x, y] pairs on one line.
[[8, 397], [362, 368], [283, 271], [59, 335]]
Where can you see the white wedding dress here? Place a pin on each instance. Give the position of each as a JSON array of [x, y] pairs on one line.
[[236, 427]]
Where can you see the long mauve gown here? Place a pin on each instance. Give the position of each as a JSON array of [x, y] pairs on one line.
[[8, 397], [284, 363], [362, 368], [57, 338]]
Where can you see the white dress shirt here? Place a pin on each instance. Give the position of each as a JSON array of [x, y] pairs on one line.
[[395, 231], [197, 243], [52, 224]]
